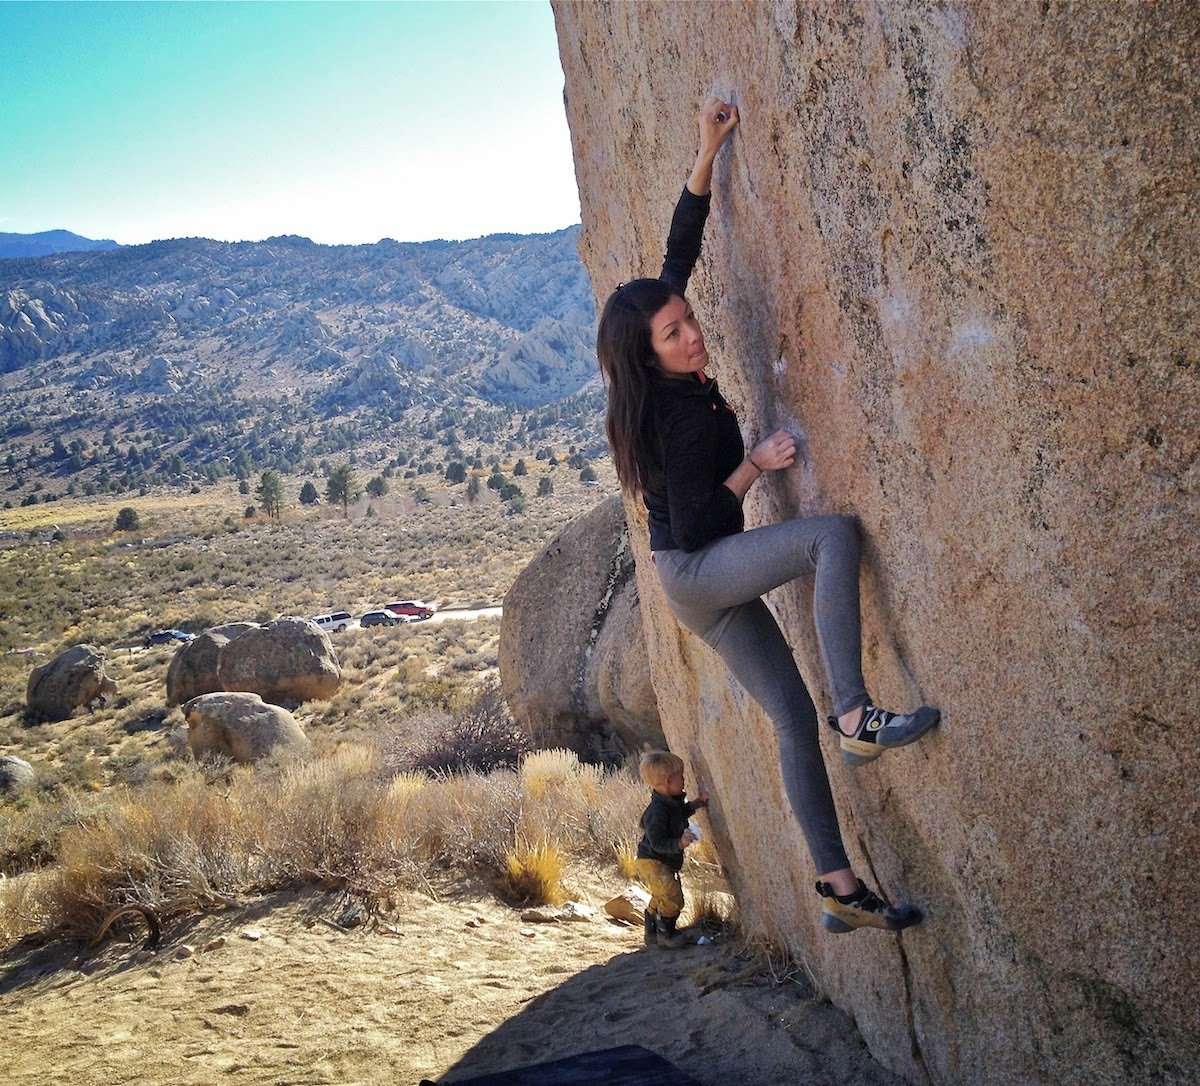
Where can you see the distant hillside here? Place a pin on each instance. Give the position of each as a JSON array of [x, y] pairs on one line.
[[47, 242], [201, 353]]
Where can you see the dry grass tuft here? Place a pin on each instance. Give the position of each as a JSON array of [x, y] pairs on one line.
[[533, 874], [770, 958], [626, 861], [713, 910], [545, 770]]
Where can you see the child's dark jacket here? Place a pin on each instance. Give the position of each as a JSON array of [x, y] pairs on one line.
[[663, 823]]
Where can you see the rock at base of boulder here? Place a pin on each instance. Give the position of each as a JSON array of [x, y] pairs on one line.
[[73, 679], [243, 727], [16, 775]]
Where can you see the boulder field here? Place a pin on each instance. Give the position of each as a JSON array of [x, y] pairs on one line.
[[952, 248]]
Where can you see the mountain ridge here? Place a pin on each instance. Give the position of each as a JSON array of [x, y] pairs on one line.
[[49, 242], [337, 345]]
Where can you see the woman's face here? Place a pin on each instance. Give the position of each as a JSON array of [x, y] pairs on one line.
[[676, 338]]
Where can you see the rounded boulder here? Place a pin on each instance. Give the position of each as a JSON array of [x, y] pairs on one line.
[[16, 775], [243, 727], [193, 669], [73, 679], [289, 660], [573, 662]]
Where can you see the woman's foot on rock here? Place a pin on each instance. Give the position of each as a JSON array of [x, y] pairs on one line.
[[841, 914], [879, 730]]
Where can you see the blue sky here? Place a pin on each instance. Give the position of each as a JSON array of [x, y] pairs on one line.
[[345, 121]]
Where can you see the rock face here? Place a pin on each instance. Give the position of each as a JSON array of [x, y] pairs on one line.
[[193, 668], [73, 679], [16, 775], [243, 727], [572, 657], [952, 247], [617, 684], [288, 660]]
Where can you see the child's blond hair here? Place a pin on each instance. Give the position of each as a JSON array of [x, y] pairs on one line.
[[656, 766]]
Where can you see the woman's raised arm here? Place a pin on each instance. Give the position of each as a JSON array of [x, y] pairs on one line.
[[717, 120]]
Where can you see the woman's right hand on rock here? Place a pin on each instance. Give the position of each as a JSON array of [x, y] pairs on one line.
[[775, 452], [714, 130]]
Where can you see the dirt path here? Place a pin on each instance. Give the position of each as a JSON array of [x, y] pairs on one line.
[[464, 614], [460, 989]]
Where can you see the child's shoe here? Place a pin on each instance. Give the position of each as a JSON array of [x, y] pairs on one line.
[[667, 935], [651, 933], [862, 909], [879, 730]]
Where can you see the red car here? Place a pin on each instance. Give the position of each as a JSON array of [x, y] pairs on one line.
[[410, 609]]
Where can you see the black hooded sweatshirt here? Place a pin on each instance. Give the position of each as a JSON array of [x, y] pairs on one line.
[[699, 442]]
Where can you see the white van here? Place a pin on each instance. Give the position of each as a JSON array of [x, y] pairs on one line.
[[334, 622]]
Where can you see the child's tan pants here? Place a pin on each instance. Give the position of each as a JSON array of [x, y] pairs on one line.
[[666, 891]]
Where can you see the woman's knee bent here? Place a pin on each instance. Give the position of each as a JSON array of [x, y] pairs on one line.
[[841, 533]]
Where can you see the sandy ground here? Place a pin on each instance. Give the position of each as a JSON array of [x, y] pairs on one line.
[[445, 991]]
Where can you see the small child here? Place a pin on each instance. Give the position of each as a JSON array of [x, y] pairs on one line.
[[660, 851]]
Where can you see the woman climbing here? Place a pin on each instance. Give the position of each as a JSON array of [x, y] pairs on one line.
[[676, 442]]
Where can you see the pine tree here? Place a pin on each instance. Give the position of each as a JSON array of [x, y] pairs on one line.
[[342, 487], [270, 494], [308, 494]]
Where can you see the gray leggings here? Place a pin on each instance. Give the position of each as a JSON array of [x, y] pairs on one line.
[[715, 592]]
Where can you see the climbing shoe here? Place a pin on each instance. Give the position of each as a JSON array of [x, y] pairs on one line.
[[862, 909], [651, 934], [878, 730], [667, 935]]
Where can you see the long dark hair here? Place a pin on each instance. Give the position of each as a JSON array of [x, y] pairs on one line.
[[628, 363]]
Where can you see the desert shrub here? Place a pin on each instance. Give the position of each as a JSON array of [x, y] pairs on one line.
[[33, 825], [479, 737], [475, 661], [127, 519]]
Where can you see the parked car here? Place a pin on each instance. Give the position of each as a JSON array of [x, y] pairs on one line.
[[410, 608], [162, 637], [334, 622], [380, 618]]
